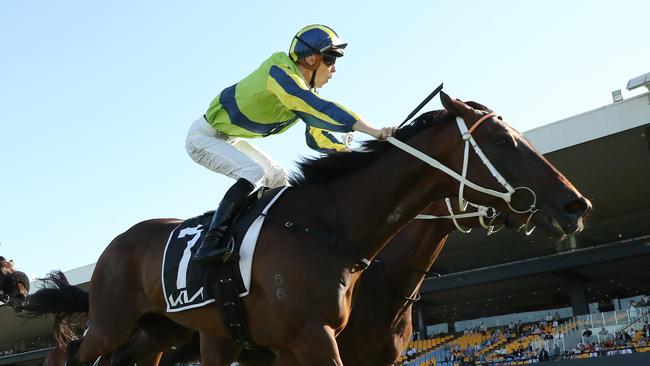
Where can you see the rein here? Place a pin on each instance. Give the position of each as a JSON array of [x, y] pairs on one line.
[[466, 135]]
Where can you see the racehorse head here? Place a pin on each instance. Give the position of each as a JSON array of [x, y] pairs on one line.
[[14, 285], [530, 190]]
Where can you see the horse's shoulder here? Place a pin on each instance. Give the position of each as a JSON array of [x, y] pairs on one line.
[[156, 223], [148, 227]]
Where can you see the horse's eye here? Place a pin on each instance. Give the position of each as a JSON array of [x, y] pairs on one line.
[[502, 141], [505, 141]]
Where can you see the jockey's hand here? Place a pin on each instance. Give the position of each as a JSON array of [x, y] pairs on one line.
[[380, 134], [384, 133]]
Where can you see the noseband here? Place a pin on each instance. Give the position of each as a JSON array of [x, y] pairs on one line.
[[466, 135], [482, 212]]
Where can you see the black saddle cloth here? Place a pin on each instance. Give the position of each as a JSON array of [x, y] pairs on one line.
[[183, 279]]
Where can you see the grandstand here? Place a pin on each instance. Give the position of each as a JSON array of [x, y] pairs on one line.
[[491, 282]]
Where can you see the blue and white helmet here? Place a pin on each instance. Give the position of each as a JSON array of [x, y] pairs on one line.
[[316, 39]]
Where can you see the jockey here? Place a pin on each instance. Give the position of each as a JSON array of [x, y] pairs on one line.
[[269, 101]]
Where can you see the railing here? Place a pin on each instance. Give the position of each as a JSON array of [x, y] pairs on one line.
[[642, 314], [611, 318], [509, 360], [26, 345], [612, 321]]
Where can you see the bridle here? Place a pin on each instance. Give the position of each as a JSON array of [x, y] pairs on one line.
[[5, 298], [482, 212], [466, 135]]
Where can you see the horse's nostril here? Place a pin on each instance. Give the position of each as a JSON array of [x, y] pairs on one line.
[[578, 207]]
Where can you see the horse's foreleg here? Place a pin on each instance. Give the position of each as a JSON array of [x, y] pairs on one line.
[[316, 346], [151, 360], [286, 359], [184, 353], [218, 351]]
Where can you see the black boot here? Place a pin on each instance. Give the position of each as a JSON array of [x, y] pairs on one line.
[[212, 249]]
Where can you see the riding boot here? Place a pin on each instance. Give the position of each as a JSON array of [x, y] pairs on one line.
[[212, 248]]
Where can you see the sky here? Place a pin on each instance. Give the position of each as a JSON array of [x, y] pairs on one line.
[[96, 97]]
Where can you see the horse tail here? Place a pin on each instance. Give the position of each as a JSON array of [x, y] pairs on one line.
[[66, 303]]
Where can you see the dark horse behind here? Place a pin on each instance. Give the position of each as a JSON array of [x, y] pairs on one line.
[[14, 285], [361, 199]]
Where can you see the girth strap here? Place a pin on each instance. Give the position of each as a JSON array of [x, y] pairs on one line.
[[226, 294], [360, 263]]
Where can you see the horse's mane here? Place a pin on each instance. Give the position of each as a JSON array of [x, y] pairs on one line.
[[329, 167], [335, 165]]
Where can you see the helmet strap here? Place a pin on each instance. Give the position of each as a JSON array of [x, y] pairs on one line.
[[313, 68], [312, 82]]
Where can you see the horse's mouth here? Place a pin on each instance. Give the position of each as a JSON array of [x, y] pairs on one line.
[[558, 229]]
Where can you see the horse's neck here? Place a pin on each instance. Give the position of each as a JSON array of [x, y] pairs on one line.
[[410, 254], [379, 200]]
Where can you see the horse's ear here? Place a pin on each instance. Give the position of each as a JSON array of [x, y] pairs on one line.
[[454, 106]]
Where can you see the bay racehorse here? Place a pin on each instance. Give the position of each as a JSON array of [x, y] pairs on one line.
[[360, 199], [380, 325]]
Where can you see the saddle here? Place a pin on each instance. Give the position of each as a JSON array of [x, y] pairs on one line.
[[188, 285]]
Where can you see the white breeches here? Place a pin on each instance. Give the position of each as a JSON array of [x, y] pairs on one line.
[[232, 157]]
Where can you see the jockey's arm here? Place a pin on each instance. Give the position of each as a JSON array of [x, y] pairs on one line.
[[292, 91], [380, 134], [323, 141]]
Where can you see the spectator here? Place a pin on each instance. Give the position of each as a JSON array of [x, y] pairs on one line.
[[632, 311], [542, 324], [556, 351], [587, 333], [627, 349], [627, 336], [603, 331], [543, 355]]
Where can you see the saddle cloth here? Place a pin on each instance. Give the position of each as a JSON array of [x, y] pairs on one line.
[[183, 280]]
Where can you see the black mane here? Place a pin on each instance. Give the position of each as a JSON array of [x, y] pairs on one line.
[[329, 167]]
